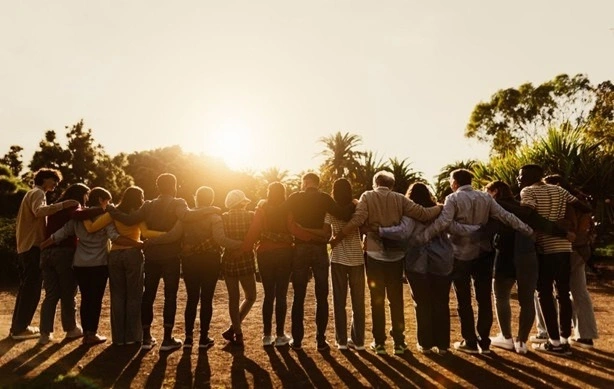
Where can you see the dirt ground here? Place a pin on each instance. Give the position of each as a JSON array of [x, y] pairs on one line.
[[68, 364]]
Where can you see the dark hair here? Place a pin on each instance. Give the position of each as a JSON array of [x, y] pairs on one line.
[[556, 179], [166, 183], [503, 190], [462, 176], [532, 173], [42, 174], [74, 192], [342, 191], [97, 194], [132, 199], [204, 196], [419, 193], [312, 177], [276, 193]]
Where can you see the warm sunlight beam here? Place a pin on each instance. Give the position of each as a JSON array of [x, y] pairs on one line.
[[233, 143]]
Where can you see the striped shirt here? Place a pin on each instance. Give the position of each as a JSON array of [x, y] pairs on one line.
[[550, 201], [349, 251]]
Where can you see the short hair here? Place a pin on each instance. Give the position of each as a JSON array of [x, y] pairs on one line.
[[342, 191], [97, 194], [166, 183], [383, 178], [312, 177], [204, 196], [555, 179], [532, 173], [419, 193], [462, 176], [44, 173], [74, 192], [503, 189]]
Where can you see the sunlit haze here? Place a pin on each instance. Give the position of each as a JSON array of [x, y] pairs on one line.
[[257, 83]]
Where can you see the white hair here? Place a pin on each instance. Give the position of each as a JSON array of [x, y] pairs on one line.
[[383, 178]]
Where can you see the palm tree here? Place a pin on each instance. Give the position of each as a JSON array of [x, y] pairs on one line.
[[404, 174], [342, 158], [274, 174], [442, 184], [370, 164]]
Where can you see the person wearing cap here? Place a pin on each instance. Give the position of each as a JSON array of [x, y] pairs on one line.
[[238, 268]]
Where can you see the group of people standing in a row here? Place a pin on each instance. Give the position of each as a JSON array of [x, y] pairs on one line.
[[82, 240]]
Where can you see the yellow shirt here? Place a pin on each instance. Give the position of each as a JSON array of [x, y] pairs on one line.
[[133, 232]]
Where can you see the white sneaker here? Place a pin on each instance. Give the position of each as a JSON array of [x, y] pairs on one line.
[[45, 339], [281, 341], [342, 346], [355, 346], [268, 340], [75, 333], [520, 347], [501, 342]]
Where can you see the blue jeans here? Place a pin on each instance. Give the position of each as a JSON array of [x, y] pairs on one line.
[[308, 257], [275, 267], [353, 277], [126, 286], [60, 285], [29, 293]]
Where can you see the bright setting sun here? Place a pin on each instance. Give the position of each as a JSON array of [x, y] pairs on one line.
[[232, 142]]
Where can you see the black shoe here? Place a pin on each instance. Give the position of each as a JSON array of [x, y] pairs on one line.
[[229, 334], [561, 349], [206, 343], [466, 348], [322, 345], [295, 345], [188, 342]]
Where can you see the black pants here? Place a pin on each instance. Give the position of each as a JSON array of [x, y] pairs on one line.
[[200, 274], [431, 295], [29, 293], [275, 267], [169, 270], [385, 279], [306, 257], [555, 269], [92, 282], [480, 271]]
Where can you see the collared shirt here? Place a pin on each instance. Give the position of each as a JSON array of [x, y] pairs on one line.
[[385, 208], [92, 249], [31, 219], [550, 201], [468, 206], [236, 226]]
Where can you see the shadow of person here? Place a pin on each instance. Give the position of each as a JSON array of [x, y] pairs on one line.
[[342, 372], [183, 375], [61, 367], [202, 374], [312, 370], [37, 360], [158, 372], [107, 366], [369, 374], [284, 373], [127, 376], [242, 364], [588, 378], [5, 345], [299, 377], [475, 375]]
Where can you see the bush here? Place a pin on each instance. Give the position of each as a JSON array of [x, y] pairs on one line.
[[8, 252]]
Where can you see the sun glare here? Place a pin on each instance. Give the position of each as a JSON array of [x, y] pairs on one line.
[[232, 143]]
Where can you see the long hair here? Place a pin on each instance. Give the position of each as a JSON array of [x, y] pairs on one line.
[[132, 199], [74, 192], [420, 194], [342, 191], [276, 215]]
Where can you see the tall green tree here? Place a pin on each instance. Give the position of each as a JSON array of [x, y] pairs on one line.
[[404, 174], [442, 181], [370, 163], [516, 116], [342, 157], [14, 159]]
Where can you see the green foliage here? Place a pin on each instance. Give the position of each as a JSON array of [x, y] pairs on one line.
[[342, 158], [8, 251], [404, 174], [12, 191], [442, 181], [13, 159], [370, 164]]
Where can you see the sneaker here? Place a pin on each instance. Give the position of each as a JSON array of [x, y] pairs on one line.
[[188, 342], [464, 347], [29, 333], [323, 345], [268, 340], [206, 343], [229, 334], [170, 344], [586, 343], [45, 339], [148, 343], [520, 347], [283, 340], [342, 347], [92, 339], [561, 349], [400, 348], [295, 345], [379, 349], [442, 350], [75, 333], [539, 338], [502, 342], [355, 346], [423, 350]]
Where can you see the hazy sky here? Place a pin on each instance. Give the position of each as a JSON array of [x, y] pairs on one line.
[[275, 76]]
